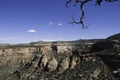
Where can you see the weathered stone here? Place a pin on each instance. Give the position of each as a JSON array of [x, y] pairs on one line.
[[43, 61], [73, 62], [64, 64], [95, 73], [87, 67], [52, 64], [44, 50]]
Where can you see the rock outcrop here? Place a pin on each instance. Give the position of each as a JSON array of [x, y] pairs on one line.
[[73, 62], [43, 61], [64, 64], [61, 62], [93, 69], [50, 68], [114, 37], [52, 64]]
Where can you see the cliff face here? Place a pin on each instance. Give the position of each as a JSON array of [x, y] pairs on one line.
[[52, 66], [17, 54], [11, 58], [114, 37], [57, 60]]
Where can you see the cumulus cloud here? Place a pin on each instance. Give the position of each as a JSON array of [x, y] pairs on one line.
[[31, 30], [59, 24], [50, 23]]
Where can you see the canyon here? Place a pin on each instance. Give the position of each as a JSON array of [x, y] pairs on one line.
[[95, 59]]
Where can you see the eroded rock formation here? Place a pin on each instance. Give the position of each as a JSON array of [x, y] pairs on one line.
[[59, 62]]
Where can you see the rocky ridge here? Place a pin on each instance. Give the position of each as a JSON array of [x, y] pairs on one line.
[[51, 67], [97, 60]]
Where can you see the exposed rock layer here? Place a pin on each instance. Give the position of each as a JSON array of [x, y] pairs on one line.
[[61, 62]]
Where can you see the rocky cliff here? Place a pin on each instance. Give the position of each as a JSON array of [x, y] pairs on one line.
[[69, 60], [54, 66]]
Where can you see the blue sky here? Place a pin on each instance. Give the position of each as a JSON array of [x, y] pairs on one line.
[[24, 21]]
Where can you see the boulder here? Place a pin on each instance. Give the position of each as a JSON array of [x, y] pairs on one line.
[[73, 62], [64, 64], [52, 64], [43, 61], [93, 69]]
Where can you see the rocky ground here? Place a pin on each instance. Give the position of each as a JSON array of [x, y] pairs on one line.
[[97, 61]]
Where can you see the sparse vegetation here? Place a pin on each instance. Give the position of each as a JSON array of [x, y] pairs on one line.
[[100, 64]]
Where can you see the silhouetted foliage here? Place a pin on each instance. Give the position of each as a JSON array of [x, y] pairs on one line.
[[81, 3]]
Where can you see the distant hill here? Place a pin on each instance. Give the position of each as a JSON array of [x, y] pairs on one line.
[[88, 40], [109, 43], [114, 37], [79, 41], [4, 44]]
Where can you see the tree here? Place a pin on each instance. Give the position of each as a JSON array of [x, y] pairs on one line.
[[81, 3]]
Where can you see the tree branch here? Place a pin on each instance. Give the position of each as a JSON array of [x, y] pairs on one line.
[[82, 3], [68, 2]]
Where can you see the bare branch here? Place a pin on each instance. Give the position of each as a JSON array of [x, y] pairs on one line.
[[69, 1], [77, 1], [77, 22], [111, 0], [83, 13], [98, 2], [82, 3]]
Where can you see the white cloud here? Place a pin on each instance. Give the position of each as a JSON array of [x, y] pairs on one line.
[[50, 23], [59, 24], [31, 30]]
